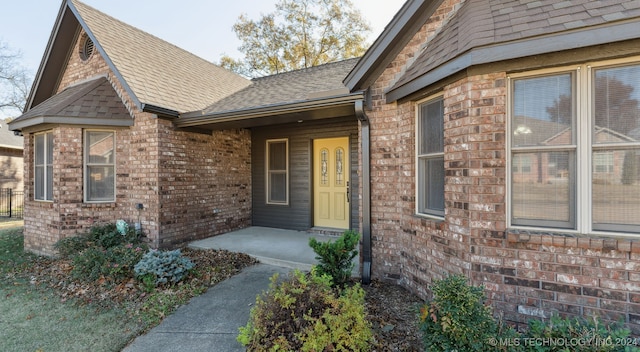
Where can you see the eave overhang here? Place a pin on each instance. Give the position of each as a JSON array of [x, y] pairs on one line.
[[599, 35], [307, 110], [409, 19], [67, 120]]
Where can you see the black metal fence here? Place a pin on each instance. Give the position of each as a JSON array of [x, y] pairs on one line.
[[11, 203]]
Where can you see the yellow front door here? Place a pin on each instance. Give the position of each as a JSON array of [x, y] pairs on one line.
[[331, 182]]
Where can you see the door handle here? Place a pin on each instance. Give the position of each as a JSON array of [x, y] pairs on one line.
[[348, 194]]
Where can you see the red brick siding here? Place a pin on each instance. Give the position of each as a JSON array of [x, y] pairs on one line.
[[156, 166], [526, 275]]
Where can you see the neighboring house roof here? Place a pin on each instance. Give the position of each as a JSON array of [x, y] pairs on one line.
[[485, 31], [154, 72], [8, 139], [291, 93], [93, 102]]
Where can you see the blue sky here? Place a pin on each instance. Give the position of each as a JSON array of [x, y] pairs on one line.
[[199, 26]]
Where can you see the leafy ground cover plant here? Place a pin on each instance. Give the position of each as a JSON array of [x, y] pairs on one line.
[[304, 313], [103, 252], [336, 257]]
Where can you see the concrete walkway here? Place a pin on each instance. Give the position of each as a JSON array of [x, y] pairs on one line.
[[210, 322]]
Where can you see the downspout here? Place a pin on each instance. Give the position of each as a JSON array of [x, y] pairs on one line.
[[366, 191]]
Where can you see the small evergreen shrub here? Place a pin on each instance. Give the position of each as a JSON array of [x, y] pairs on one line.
[[336, 257], [164, 267], [304, 313], [584, 334], [457, 319]]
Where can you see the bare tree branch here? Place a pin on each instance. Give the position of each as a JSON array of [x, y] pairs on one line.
[[15, 82]]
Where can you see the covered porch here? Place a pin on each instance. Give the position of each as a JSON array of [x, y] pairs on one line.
[[279, 247]]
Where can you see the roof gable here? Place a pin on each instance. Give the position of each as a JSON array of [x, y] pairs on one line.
[[485, 31], [93, 102], [151, 70]]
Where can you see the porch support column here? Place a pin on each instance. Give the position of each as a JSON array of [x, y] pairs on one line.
[[366, 191]]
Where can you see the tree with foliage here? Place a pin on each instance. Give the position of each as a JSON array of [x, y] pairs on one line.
[[15, 82], [613, 98], [299, 34]]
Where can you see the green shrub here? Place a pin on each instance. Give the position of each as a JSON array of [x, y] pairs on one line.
[[457, 319], [336, 257], [588, 334], [70, 246], [115, 263], [107, 236], [304, 313], [89, 264], [163, 266]]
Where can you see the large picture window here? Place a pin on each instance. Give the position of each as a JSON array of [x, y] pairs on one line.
[[99, 166], [277, 172], [43, 166], [430, 157], [579, 131]]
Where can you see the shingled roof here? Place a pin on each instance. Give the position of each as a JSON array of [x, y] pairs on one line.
[[485, 31], [288, 87], [312, 93], [8, 139], [158, 73], [93, 102]]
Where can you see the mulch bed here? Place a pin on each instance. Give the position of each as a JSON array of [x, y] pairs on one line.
[[392, 310]]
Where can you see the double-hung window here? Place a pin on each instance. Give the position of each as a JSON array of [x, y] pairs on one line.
[[430, 157], [277, 172], [579, 130], [99, 166], [43, 166]]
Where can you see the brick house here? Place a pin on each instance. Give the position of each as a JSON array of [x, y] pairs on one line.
[[423, 144], [467, 99], [123, 125], [11, 162]]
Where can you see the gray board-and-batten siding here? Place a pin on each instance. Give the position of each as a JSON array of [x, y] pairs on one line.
[[298, 214]]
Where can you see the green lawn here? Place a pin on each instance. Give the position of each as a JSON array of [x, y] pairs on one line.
[[34, 319]]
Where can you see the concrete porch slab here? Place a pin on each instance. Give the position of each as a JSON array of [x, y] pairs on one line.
[[279, 247]]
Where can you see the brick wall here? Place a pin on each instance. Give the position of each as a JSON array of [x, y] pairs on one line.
[[180, 178], [526, 275], [204, 183], [11, 168]]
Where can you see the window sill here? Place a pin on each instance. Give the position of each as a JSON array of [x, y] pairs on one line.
[[574, 240]]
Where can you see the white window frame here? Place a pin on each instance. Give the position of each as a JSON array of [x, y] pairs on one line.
[[46, 163], [583, 89], [86, 165], [268, 172], [434, 214]]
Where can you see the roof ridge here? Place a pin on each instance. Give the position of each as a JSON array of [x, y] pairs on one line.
[[143, 31], [316, 67]]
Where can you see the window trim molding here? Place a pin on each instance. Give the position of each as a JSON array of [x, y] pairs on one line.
[[35, 165], [85, 178], [584, 81], [267, 171], [418, 156]]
